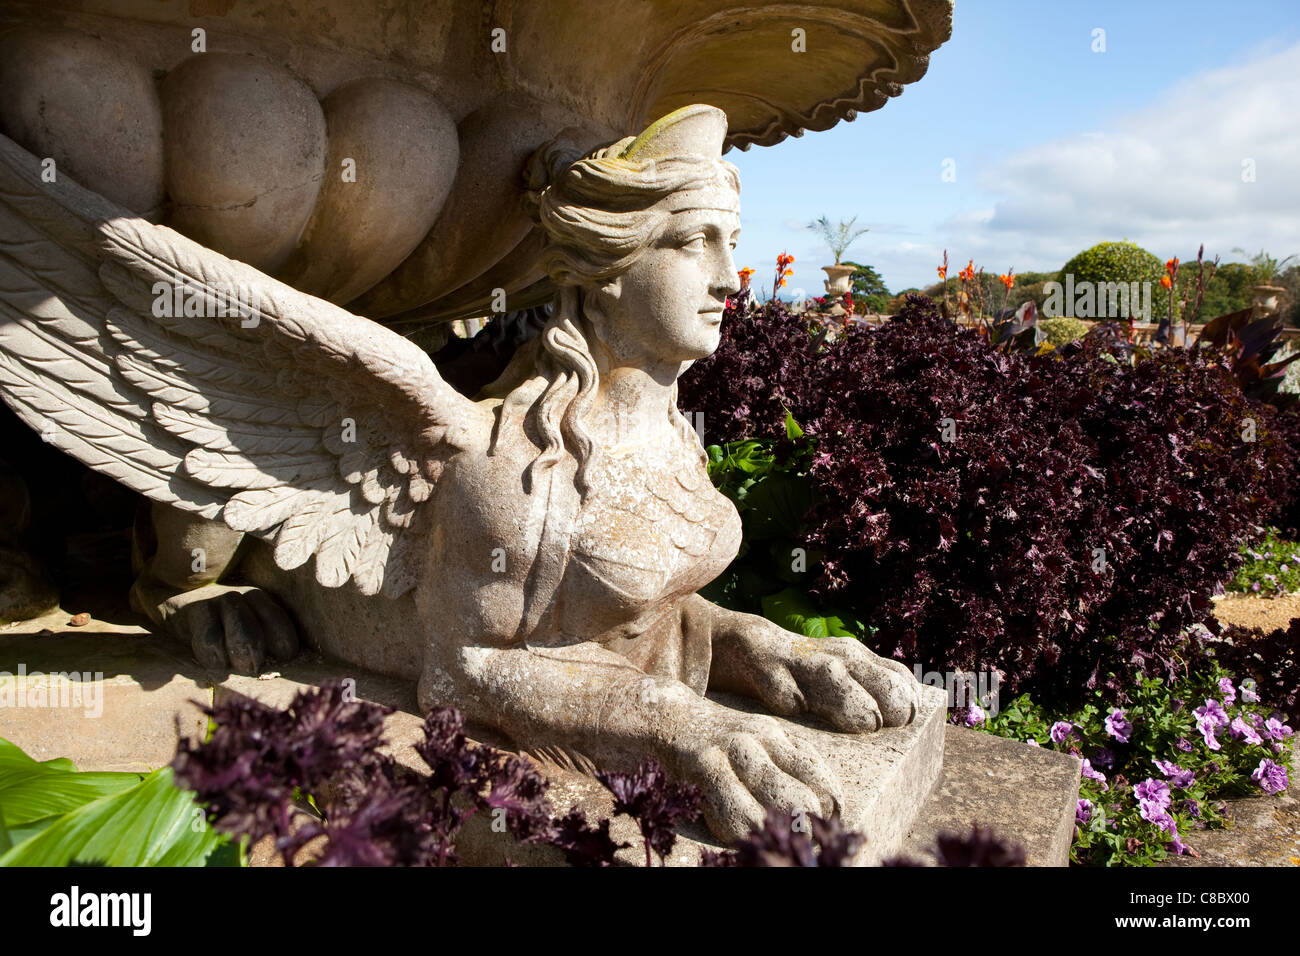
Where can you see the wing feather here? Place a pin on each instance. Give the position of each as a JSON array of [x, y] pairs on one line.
[[200, 382]]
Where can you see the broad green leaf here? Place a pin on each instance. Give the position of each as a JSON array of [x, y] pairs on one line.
[[152, 824], [227, 854], [32, 791], [28, 830], [792, 429], [792, 610], [775, 507]]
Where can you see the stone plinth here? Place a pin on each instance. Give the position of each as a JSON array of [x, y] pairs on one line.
[[150, 690], [887, 776], [107, 700], [1023, 793]]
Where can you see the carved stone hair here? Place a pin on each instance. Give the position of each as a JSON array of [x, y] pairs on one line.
[[599, 214]]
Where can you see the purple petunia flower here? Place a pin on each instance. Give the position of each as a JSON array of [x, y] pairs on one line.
[[1212, 712], [1060, 731], [1104, 758], [1091, 774], [1191, 807], [1083, 812], [974, 715], [1240, 730], [1229, 692], [1158, 814], [1184, 745], [1207, 729], [1119, 726], [1155, 792], [1033, 743], [1274, 729], [1271, 777], [1178, 777]]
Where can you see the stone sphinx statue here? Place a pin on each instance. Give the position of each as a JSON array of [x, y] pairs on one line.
[[533, 556]]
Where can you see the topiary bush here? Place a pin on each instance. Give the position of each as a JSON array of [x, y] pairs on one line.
[[1116, 262], [1063, 331], [1059, 518]]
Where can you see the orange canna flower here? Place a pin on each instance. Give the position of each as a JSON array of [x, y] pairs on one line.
[[967, 274], [1008, 279], [943, 272], [1166, 282], [1172, 266]]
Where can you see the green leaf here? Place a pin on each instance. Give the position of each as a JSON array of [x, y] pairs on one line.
[[28, 830], [152, 824], [792, 610], [32, 791], [775, 507], [227, 854], [792, 429]]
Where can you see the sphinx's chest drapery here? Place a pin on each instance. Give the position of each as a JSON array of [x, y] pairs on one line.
[[653, 530]]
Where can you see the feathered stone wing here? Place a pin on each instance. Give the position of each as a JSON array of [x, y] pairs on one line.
[[286, 417]]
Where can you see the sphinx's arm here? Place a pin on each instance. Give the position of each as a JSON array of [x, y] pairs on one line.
[[592, 705]]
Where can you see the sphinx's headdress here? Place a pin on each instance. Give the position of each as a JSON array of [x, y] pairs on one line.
[[660, 165]]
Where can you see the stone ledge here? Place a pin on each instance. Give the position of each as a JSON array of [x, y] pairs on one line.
[[148, 696], [887, 775], [151, 691], [1264, 831], [1022, 793]]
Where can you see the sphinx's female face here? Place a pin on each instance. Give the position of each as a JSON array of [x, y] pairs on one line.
[[667, 308]]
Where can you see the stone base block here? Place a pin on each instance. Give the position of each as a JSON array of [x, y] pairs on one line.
[[108, 701], [1022, 793], [887, 776], [904, 785]]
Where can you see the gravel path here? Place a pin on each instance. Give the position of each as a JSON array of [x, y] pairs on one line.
[[1265, 613]]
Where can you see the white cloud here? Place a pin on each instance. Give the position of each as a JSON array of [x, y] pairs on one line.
[[1167, 177]]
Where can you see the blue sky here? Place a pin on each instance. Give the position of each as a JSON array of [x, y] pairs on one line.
[[1055, 147]]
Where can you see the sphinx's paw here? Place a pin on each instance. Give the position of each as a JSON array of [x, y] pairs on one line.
[[838, 680], [230, 628], [747, 763]]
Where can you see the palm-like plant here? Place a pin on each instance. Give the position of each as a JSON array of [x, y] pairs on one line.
[[839, 237], [1266, 267]]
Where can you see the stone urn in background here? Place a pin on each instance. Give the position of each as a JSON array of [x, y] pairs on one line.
[[1266, 298], [837, 281]]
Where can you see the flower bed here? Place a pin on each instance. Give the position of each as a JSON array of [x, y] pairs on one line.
[[1157, 768]]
